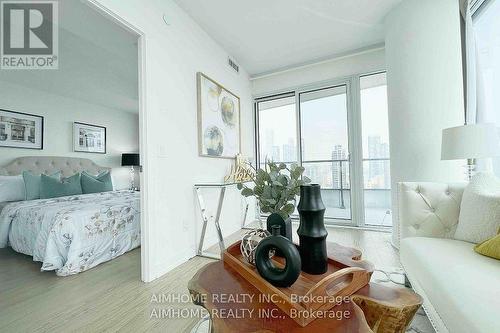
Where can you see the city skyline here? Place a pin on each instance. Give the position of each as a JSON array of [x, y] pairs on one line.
[[336, 175]]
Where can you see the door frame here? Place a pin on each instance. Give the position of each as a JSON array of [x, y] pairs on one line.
[[146, 210]]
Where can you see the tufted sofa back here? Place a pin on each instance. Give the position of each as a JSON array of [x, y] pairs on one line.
[[429, 209], [51, 164]]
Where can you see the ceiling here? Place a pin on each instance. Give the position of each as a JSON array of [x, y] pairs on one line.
[[266, 36], [98, 61]]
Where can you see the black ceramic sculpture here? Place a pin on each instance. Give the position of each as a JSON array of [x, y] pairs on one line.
[[312, 232], [285, 225], [279, 277]]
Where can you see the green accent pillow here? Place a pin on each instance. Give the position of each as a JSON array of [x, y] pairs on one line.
[[32, 184], [490, 247], [54, 188], [96, 184]]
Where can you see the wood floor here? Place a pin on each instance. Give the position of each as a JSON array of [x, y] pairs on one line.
[[111, 297]]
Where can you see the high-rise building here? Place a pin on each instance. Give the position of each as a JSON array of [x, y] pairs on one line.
[[289, 151], [276, 154], [313, 172], [374, 151], [268, 145], [339, 169], [378, 174]]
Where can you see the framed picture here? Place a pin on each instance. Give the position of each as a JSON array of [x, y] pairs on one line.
[[218, 120], [89, 138], [21, 130]]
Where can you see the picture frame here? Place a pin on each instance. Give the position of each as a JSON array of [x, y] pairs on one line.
[[21, 130], [219, 119], [88, 138]]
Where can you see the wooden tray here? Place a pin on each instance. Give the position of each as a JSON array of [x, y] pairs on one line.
[[315, 293]]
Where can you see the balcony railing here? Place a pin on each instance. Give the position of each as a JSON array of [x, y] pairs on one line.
[[337, 198]]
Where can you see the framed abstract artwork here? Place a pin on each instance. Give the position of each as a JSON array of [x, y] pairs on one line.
[[21, 130], [218, 120], [89, 138]]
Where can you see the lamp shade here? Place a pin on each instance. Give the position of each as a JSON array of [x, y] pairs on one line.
[[470, 141], [130, 160]]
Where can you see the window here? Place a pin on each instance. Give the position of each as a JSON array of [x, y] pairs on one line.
[[343, 145], [375, 139], [487, 31], [277, 130]]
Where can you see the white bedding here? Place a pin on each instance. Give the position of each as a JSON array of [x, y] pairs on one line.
[[72, 234], [3, 204]]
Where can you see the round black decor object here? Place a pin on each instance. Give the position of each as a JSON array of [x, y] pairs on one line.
[[312, 232], [279, 277]]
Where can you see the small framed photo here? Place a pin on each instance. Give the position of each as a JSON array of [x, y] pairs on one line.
[[89, 138], [21, 130]]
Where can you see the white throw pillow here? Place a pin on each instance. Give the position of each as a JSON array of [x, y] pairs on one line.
[[12, 188], [479, 217]]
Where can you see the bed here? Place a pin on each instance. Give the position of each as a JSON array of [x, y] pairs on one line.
[[74, 233]]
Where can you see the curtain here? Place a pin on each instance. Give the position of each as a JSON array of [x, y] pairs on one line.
[[475, 112], [474, 109], [470, 63]]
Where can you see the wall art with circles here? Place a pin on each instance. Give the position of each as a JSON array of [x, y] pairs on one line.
[[218, 119]]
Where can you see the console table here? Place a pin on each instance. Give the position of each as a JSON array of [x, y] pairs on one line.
[[203, 210]]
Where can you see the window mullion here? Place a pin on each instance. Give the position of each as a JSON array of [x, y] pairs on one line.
[[356, 157], [299, 132], [256, 133]]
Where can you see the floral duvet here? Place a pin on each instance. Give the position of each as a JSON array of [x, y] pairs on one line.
[[75, 233]]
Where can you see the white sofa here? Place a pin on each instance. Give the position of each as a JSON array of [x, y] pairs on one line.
[[461, 289]]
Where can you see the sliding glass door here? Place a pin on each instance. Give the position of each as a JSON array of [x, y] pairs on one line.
[[375, 138], [325, 146], [339, 133]]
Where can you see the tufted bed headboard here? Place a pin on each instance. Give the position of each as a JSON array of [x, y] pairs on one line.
[[51, 164]]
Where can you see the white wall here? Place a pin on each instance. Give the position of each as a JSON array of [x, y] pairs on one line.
[[424, 74], [59, 114], [173, 55], [363, 62]]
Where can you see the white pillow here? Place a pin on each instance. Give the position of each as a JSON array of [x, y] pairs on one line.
[[12, 188], [479, 217]]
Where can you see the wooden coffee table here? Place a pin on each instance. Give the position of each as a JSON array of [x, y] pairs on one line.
[[237, 306]]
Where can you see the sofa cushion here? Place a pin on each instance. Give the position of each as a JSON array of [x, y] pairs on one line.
[[490, 247], [462, 285], [479, 217]]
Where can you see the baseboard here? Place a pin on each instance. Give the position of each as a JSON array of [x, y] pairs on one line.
[[171, 263]]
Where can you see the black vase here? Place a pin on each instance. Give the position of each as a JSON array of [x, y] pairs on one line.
[[279, 277], [285, 225], [312, 232]]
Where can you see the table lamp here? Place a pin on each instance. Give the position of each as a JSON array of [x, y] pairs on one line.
[[131, 160], [470, 142]]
